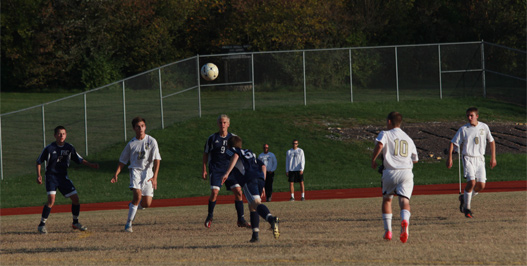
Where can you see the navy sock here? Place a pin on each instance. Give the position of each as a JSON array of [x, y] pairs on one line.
[[255, 220], [75, 210], [239, 209], [263, 211], [212, 204], [45, 214]]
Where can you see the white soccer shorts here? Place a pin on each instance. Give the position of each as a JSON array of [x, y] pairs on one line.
[[398, 182], [138, 180], [474, 168]]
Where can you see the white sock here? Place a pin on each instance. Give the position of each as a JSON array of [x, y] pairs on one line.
[[132, 210], [405, 215], [387, 219], [468, 199], [293, 195], [302, 195], [474, 193]]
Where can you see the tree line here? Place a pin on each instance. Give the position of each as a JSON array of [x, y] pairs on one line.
[[49, 45]]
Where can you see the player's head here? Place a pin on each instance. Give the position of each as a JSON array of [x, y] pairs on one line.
[[472, 115], [295, 143], [235, 141], [266, 148], [223, 122], [395, 119], [139, 125], [136, 121], [60, 134]]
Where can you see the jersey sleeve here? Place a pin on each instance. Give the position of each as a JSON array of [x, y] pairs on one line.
[[125, 154], [155, 150], [208, 144], [75, 156], [381, 138], [43, 156], [489, 135]]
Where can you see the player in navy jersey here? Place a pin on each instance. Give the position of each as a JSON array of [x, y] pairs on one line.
[[58, 155], [214, 155], [249, 171]]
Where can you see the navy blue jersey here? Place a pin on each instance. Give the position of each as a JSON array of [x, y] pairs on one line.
[[248, 166], [58, 158], [215, 147]]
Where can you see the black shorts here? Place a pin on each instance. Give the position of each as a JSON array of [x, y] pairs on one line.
[[295, 176]]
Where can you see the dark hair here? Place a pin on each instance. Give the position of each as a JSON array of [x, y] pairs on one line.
[[136, 120], [57, 129], [235, 141], [396, 118], [472, 109]]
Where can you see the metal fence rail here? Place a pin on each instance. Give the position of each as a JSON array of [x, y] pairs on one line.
[[175, 92]]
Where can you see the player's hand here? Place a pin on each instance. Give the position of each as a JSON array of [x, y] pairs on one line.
[[114, 179], [224, 179], [154, 182], [39, 180], [94, 165], [204, 175], [374, 164], [449, 163], [263, 194], [493, 163]]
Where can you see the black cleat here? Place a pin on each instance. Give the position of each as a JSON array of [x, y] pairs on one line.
[[461, 203], [468, 213]]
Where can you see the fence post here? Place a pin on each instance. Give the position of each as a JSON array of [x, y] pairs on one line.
[[483, 69], [161, 100], [1, 150], [124, 113], [85, 124], [351, 77], [304, 70], [397, 73], [440, 75], [252, 80], [199, 86]]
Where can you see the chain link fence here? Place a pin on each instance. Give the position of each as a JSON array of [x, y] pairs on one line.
[[101, 117]]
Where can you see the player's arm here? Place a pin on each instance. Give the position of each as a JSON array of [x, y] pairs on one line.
[[92, 165], [449, 159], [493, 161], [155, 169], [376, 151], [205, 161], [232, 163], [39, 176], [117, 171]]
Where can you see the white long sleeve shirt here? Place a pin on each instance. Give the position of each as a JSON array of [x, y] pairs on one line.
[[295, 160], [269, 159]]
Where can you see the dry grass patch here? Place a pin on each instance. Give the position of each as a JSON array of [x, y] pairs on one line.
[[312, 233]]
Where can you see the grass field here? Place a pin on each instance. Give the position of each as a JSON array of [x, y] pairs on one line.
[[317, 232], [344, 164]]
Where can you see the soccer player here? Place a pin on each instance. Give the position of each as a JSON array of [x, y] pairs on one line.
[[214, 155], [269, 159], [142, 152], [250, 173], [399, 153], [58, 155], [294, 169], [472, 138]]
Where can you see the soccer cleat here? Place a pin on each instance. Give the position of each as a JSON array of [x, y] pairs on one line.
[[254, 239], [468, 213], [42, 229], [269, 199], [128, 228], [244, 223], [79, 226], [404, 231], [461, 203], [388, 235], [208, 222], [303, 199], [292, 199], [274, 225]]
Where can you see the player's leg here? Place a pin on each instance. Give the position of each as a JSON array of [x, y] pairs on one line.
[[211, 205], [404, 189], [132, 209], [404, 203], [147, 194], [269, 179], [238, 205], [46, 210], [75, 211], [302, 189], [387, 216]]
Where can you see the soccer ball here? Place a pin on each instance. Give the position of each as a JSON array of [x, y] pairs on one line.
[[209, 71]]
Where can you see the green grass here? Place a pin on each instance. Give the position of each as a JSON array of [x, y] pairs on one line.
[[330, 164]]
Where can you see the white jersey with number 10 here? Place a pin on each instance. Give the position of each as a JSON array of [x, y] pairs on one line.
[[399, 151]]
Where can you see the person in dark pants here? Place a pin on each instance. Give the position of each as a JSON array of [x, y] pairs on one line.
[[269, 159]]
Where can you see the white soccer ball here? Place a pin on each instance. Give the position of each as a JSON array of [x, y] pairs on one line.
[[209, 71]]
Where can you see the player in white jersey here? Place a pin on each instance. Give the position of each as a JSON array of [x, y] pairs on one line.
[[399, 153], [143, 154], [295, 163], [472, 138]]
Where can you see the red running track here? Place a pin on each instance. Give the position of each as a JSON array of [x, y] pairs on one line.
[[505, 186]]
